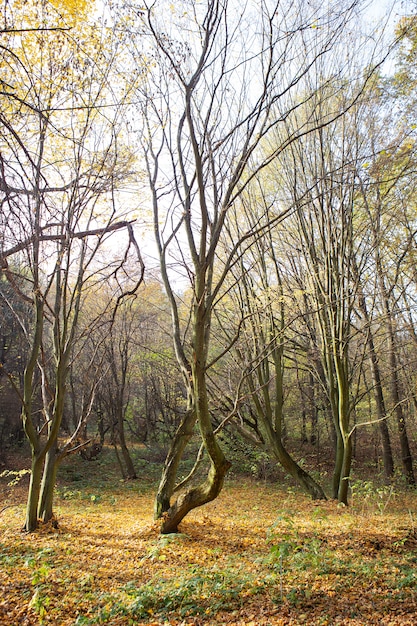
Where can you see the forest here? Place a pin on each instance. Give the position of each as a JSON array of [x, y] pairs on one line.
[[208, 326]]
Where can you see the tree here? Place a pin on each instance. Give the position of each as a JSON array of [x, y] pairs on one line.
[[141, 392], [381, 411], [323, 182], [119, 351], [388, 204], [12, 357], [222, 80], [377, 199], [263, 343], [60, 210]]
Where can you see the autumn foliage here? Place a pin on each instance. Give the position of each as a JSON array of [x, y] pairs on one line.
[[260, 554]]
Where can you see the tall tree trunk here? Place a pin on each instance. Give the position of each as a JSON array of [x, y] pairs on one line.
[[381, 412], [406, 458], [37, 451], [396, 396], [219, 465]]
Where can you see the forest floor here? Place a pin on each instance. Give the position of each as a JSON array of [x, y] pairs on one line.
[[260, 554]]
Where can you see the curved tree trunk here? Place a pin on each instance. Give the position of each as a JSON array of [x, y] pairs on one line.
[[179, 442], [306, 482], [209, 489], [193, 498], [270, 413]]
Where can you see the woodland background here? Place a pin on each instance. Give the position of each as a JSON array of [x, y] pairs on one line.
[[208, 256]]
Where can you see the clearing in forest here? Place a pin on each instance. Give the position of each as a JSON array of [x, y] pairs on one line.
[[260, 554]]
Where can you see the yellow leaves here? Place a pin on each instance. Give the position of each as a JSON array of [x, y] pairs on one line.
[[72, 6], [74, 10], [341, 562]]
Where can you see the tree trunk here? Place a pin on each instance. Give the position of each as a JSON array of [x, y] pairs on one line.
[[31, 521], [387, 457], [337, 381], [338, 463], [38, 454], [119, 460], [312, 410], [45, 508], [334, 399], [271, 413], [193, 498], [388, 460], [342, 495], [130, 473], [343, 414], [306, 482], [198, 398], [406, 458], [179, 442]]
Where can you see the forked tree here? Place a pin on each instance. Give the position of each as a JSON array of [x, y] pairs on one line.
[[61, 165], [223, 77]]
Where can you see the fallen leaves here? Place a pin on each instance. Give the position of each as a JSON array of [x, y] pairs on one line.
[[256, 556]]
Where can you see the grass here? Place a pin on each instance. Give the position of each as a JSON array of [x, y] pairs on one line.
[[260, 554]]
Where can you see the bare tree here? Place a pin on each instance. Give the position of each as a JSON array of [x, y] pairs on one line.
[[322, 177], [60, 168], [263, 347], [223, 77]]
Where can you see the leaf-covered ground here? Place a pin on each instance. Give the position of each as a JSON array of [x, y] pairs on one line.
[[261, 554]]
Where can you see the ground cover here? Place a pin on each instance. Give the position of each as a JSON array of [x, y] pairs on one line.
[[260, 554]]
